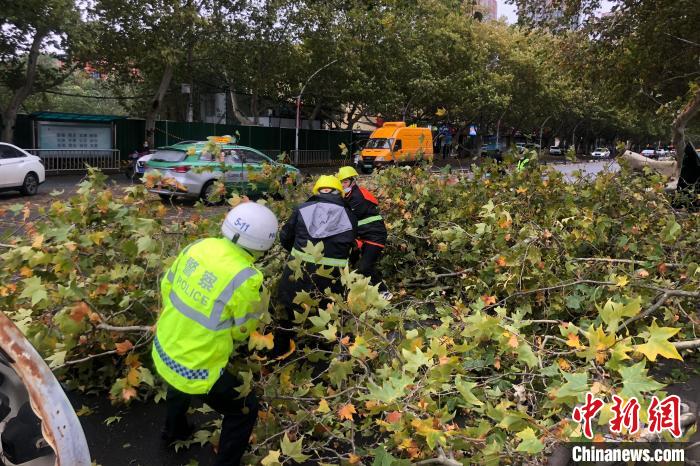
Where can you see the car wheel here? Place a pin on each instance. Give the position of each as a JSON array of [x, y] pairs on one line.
[[208, 194], [30, 185]]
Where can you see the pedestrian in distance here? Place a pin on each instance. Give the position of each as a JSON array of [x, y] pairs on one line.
[[211, 304]]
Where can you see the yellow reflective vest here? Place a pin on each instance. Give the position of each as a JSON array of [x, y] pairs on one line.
[[211, 298]]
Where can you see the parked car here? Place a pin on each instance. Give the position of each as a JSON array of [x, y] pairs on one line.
[[649, 152], [494, 150], [190, 172], [661, 152], [601, 152], [20, 170], [556, 150]]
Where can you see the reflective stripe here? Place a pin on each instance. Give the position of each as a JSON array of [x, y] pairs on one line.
[[213, 321], [239, 321], [367, 220], [227, 293], [186, 372], [329, 261]]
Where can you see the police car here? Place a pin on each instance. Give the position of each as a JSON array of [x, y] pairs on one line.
[[191, 170]]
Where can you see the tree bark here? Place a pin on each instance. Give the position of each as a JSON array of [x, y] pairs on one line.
[[678, 128], [254, 107], [156, 103], [9, 113], [242, 119], [314, 115]]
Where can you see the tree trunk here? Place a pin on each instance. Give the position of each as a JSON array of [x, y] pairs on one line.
[[254, 107], [9, 113], [314, 115], [242, 119], [678, 128], [155, 104]]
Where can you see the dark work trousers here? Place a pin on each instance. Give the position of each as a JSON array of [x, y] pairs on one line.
[[223, 397], [367, 265]]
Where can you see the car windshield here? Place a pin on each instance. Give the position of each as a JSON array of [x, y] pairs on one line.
[[600, 149], [168, 156], [379, 143]]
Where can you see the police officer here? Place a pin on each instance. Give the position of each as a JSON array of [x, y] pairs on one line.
[[211, 304], [323, 218], [371, 230]]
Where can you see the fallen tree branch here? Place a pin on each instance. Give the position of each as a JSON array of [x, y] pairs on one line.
[[93, 356], [422, 283], [689, 344], [622, 261], [441, 459], [129, 328]]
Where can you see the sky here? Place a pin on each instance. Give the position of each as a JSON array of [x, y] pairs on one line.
[[504, 9]]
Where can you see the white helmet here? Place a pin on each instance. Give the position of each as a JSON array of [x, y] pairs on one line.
[[251, 225]]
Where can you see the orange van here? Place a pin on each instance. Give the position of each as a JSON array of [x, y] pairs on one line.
[[396, 143]]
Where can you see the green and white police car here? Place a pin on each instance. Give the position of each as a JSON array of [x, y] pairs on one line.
[[192, 170]]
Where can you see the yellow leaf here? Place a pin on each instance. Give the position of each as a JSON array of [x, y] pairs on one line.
[[346, 411], [26, 272], [133, 377], [323, 407], [501, 261], [259, 342], [573, 341], [621, 281], [563, 364], [354, 459], [38, 241], [521, 190], [513, 341], [292, 348], [658, 344]]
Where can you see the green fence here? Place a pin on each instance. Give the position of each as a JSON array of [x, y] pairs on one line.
[[129, 136]]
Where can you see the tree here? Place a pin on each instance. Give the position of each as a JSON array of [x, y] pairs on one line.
[[146, 42], [29, 29], [653, 60]]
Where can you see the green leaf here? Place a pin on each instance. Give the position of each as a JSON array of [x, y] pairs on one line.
[[635, 381], [112, 419], [613, 312], [415, 361], [245, 388], [322, 319], [465, 389], [526, 355], [330, 332], [658, 345], [146, 244], [146, 376], [56, 359], [293, 449], [530, 443], [384, 458], [576, 384], [34, 289], [390, 390], [338, 371]]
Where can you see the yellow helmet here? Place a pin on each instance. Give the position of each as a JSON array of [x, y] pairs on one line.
[[347, 172], [327, 181]]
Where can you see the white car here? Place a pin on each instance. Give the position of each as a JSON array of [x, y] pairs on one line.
[[651, 153], [19, 170], [601, 152]]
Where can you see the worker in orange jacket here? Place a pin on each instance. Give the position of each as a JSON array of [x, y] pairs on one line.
[[371, 230]]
